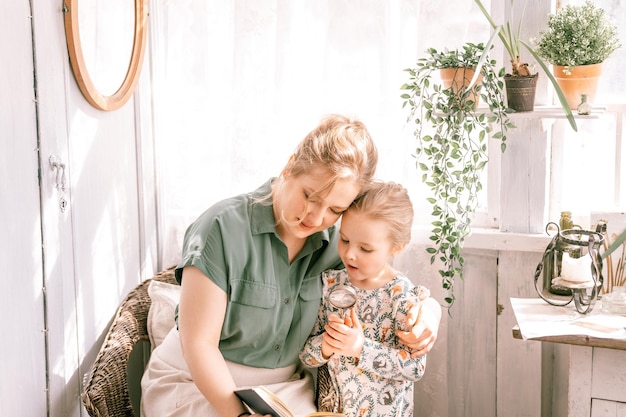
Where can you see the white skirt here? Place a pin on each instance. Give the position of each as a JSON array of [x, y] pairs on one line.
[[167, 389]]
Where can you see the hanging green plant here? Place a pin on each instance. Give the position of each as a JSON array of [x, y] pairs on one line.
[[451, 152]]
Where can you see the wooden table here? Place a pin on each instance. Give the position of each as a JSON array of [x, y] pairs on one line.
[[588, 341], [587, 377]]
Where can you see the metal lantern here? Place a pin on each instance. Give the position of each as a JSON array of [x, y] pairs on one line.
[[571, 268]]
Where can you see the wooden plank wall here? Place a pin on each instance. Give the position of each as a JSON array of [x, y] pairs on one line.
[[477, 368]]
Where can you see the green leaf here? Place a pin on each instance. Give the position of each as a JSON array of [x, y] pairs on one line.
[[616, 244], [555, 84]]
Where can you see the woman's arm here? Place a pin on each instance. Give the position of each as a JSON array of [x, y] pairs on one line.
[[425, 325], [398, 364], [200, 318]]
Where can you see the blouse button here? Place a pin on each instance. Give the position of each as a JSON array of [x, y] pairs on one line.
[[276, 347], [286, 300]]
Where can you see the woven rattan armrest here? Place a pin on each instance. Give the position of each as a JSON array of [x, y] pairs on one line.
[[105, 392]]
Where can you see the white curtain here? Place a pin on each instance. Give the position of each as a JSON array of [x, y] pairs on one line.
[[238, 83]]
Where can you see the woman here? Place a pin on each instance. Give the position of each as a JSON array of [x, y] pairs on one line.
[[251, 285]]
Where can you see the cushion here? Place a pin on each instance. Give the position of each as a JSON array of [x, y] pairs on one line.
[[164, 298]]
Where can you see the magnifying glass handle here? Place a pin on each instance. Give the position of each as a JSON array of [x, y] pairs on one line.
[[347, 319]]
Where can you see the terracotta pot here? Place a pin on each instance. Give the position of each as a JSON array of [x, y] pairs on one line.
[[520, 91], [458, 78], [582, 79]]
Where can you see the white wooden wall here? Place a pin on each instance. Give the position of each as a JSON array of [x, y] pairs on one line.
[[23, 363], [73, 245], [476, 367]]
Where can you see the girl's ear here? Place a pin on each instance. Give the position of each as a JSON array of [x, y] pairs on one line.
[[397, 249]]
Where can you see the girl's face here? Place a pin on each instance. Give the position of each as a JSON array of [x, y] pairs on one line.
[[299, 214], [365, 249]]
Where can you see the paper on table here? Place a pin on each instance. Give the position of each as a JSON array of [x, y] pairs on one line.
[[537, 318]]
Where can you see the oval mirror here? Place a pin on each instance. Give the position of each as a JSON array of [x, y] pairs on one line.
[[100, 61]]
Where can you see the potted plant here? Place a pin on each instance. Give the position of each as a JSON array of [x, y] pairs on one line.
[[520, 74], [576, 43], [451, 133], [458, 68]]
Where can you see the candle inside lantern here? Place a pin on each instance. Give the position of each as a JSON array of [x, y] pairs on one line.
[[576, 269]]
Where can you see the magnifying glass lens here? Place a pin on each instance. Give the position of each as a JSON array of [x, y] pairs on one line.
[[342, 297]]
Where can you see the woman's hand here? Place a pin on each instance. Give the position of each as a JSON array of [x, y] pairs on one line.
[[343, 339], [423, 319]]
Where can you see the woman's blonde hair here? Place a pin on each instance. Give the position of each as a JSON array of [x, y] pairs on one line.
[[388, 202], [340, 144]]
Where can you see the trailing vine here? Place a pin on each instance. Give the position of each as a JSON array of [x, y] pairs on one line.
[[451, 153]]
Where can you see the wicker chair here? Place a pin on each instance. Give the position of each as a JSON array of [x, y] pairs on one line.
[[106, 387], [106, 392]]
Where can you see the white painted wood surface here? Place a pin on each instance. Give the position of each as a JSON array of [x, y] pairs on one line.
[[603, 408], [518, 364], [22, 349], [476, 368], [472, 339], [88, 255], [588, 381], [525, 176], [92, 249], [609, 375]]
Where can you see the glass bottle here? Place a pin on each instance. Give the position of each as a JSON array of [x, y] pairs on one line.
[[584, 107], [566, 221]]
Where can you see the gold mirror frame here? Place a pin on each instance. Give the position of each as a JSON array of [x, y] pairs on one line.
[[81, 74]]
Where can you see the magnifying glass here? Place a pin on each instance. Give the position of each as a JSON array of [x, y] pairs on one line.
[[343, 297]]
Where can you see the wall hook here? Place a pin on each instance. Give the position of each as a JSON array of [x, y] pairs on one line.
[[59, 168]]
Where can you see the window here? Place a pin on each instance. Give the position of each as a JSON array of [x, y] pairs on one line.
[[585, 174]]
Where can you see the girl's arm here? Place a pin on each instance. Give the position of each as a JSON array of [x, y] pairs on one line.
[[393, 363], [201, 316]]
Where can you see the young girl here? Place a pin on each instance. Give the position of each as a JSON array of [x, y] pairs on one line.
[[371, 371]]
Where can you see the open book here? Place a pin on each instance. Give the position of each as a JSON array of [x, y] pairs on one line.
[[263, 401]]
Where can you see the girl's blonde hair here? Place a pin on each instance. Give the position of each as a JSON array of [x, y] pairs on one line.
[[340, 144], [389, 202]]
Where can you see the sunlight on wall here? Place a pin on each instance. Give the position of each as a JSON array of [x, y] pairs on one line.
[[239, 84]]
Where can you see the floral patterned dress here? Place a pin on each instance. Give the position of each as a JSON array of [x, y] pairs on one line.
[[380, 381]]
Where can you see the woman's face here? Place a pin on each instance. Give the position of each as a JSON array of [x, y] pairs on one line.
[[299, 213]]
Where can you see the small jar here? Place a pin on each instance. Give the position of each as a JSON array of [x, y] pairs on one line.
[[584, 107], [615, 301], [566, 221]]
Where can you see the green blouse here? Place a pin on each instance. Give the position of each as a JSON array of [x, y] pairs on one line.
[[272, 305]]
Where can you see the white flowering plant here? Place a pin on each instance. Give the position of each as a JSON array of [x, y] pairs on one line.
[[578, 35]]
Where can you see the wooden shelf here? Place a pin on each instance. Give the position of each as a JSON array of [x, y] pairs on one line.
[[556, 112], [589, 341], [550, 112]]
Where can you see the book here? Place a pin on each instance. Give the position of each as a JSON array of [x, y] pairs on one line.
[[263, 401]]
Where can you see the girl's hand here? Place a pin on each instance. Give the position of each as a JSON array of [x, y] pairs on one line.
[[424, 324], [328, 350], [342, 339]]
